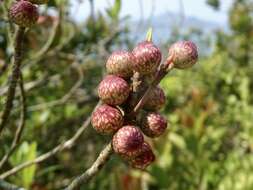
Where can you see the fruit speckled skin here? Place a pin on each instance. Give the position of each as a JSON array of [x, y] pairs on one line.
[[127, 141], [106, 119], [113, 90], [23, 13], [156, 99], [147, 57], [184, 54], [153, 124], [120, 63], [144, 158]]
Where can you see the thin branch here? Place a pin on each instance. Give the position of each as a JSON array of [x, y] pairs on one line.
[[16, 141], [66, 97], [93, 170], [7, 186], [14, 77], [63, 146]]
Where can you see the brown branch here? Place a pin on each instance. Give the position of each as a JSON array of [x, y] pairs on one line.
[[93, 170], [14, 77], [63, 146], [16, 141]]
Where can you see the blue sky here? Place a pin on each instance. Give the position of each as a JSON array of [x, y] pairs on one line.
[[195, 8]]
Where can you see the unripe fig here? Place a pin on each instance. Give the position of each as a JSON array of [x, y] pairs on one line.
[[153, 124], [120, 63], [113, 90], [184, 54], [23, 13], [147, 57], [156, 99], [127, 141], [144, 158], [106, 119]]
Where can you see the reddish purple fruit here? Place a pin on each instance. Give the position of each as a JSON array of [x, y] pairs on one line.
[[127, 141], [153, 124], [23, 13], [184, 54], [113, 90], [147, 57], [107, 119], [120, 63], [144, 158], [156, 100]]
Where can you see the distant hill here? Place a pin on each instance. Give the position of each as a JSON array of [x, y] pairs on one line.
[[164, 23]]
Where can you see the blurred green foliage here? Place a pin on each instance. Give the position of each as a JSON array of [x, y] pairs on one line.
[[209, 144]]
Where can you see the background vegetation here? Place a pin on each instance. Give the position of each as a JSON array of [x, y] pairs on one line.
[[209, 144]]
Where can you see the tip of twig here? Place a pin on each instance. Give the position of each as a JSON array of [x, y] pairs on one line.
[[149, 34]]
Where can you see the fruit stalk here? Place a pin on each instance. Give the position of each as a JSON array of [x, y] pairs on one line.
[[163, 70]]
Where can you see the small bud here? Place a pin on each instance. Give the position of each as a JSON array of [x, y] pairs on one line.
[[127, 141], [106, 119], [113, 90], [23, 13], [184, 54]]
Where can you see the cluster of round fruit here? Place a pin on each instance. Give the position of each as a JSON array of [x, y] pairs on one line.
[[25, 12], [117, 93]]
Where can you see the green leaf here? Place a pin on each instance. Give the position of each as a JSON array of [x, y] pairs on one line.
[[114, 11], [26, 152]]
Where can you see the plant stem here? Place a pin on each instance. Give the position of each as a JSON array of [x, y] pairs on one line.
[[161, 73], [93, 170], [14, 77], [20, 128]]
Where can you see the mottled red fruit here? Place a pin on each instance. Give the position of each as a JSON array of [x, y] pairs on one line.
[[153, 124], [23, 13], [156, 100], [120, 63], [106, 119], [144, 158], [113, 90], [127, 141], [147, 57], [184, 54]]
